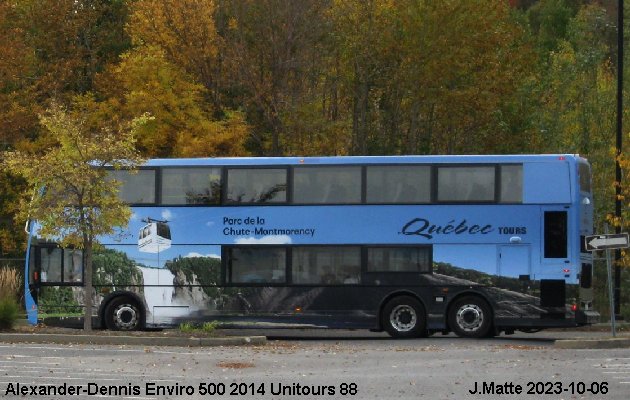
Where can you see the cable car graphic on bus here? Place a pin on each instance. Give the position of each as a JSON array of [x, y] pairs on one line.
[[154, 237]]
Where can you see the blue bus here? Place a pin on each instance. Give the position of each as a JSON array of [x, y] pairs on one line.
[[412, 245]]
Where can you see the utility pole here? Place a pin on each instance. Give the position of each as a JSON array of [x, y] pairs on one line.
[[618, 152]]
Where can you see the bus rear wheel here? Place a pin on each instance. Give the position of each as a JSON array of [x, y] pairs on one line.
[[470, 317], [404, 317], [123, 314]]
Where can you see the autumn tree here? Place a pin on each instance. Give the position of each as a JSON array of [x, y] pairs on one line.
[[185, 31], [276, 65], [431, 77], [368, 37], [183, 126], [50, 48], [577, 93], [70, 40], [16, 119], [72, 199], [549, 20], [172, 73], [576, 100]]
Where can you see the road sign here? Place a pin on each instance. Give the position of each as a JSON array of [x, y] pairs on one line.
[[603, 242]]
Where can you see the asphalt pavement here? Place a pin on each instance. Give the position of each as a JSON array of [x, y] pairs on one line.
[[599, 337], [316, 364]]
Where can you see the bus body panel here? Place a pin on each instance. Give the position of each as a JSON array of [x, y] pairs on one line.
[[556, 177], [479, 230]]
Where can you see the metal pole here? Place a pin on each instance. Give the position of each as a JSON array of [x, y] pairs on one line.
[[618, 152], [610, 290]]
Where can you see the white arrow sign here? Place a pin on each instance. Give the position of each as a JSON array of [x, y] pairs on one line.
[[602, 242]]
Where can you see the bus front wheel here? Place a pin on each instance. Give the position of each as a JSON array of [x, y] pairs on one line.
[[470, 317], [123, 314], [404, 317]]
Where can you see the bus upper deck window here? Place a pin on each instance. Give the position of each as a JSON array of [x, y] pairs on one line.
[[327, 185], [398, 184], [511, 184], [191, 186], [248, 185], [136, 187], [466, 183]]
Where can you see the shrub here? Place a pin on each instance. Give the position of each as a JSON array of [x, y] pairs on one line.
[[187, 327], [210, 327], [8, 312], [9, 283], [206, 328], [9, 296]]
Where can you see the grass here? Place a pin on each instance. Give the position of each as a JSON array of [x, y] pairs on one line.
[[206, 327], [59, 315]]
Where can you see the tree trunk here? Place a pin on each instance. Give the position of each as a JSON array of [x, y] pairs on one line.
[[88, 289], [360, 116]]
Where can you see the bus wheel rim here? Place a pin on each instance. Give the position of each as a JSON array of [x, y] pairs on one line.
[[403, 318], [469, 317], [126, 317]]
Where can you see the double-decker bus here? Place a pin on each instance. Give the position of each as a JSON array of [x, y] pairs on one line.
[[412, 245]]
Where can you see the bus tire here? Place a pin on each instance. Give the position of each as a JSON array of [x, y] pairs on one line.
[[123, 314], [470, 317], [404, 317]]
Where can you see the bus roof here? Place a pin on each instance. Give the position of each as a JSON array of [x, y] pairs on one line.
[[337, 160]]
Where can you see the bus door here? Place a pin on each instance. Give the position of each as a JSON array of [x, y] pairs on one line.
[[555, 251], [515, 261]]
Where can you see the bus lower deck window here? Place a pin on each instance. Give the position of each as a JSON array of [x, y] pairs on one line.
[[326, 265], [399, 259], [257, 265]]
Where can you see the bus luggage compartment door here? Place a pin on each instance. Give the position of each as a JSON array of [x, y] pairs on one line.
[[514, 261]]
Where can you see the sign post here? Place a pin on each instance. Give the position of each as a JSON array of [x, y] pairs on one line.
[[608, 242]]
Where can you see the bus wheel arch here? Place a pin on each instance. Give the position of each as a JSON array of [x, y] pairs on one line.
[[470, 314], [403, 315], [123, 311]]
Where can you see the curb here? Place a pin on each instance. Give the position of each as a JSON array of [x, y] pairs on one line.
[[133, 340], [611, 343]]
